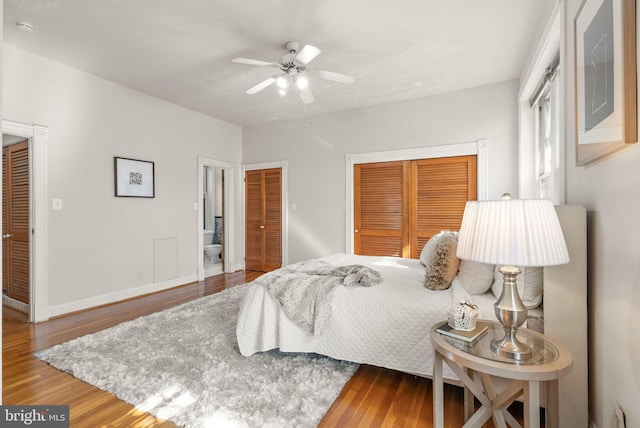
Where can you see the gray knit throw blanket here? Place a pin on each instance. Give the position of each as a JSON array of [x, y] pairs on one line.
[[305, 290]]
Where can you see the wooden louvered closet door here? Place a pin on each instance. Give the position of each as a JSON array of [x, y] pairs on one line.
[[441, 189], [263, 246], [15, 221], [399, 205], [381, 209]]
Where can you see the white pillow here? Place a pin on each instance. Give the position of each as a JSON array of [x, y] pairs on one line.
[[475, 277], [440, 261], [530, 285]]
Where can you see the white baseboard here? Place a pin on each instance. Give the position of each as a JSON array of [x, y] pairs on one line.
[[104, 299], [15, 304]]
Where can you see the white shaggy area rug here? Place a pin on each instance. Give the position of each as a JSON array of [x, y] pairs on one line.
[[183, 364]]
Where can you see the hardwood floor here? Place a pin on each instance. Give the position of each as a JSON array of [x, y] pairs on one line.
[[374, 397]]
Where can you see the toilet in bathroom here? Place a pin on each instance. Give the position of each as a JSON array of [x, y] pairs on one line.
[[211, 251]]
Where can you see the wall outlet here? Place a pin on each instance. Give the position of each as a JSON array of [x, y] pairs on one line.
[[619, 416]]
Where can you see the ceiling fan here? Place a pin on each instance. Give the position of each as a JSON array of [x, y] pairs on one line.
[[293, 67]]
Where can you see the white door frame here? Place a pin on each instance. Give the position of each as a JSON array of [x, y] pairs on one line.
[[479, 148], [38, 136], [229, 224]]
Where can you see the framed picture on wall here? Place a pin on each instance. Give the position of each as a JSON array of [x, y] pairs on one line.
[[605, 78], [134, 178]]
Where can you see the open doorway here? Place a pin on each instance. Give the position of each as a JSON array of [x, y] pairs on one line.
[[214, 217], [213, 220], [26, 247]]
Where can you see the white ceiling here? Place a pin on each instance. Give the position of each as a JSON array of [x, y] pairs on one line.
[[181, 50]]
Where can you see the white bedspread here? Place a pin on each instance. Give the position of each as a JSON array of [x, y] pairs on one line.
[[385, 325]]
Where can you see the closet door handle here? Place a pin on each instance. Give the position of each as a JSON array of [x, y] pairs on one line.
[[261, 227], [7, 235]]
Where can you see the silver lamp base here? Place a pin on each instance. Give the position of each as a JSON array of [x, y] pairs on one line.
[[511, 313], [510, 347]]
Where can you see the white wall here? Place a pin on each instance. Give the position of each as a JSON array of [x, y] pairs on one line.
[[609, 188], [101, 248], [316, 148]]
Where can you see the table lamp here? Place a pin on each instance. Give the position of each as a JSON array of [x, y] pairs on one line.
[[511, 233]]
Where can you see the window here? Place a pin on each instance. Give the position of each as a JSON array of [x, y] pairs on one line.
[[541, 146], [545, 105]]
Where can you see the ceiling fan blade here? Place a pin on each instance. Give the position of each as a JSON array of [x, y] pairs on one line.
[[335, 77], [307, 96], [307, 53], [260, 86], [255, 62]]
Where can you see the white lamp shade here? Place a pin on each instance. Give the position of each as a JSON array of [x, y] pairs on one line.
[[515, 232]]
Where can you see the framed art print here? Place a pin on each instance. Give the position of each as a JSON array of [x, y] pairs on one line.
[[134, 178], [605, 67]]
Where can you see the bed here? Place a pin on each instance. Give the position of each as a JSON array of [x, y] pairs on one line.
[[388, 324]]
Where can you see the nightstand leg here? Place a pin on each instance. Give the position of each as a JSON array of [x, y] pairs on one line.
[[438, 392], [469, 399], [552, 411], [532, 404]]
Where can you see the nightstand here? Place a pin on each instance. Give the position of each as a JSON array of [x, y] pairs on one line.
[[478, 367]]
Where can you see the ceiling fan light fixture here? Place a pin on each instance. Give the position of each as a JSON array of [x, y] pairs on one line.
[[283, 82], [302, 81], [293, 70]]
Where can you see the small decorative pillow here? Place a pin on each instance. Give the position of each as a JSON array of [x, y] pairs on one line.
[[530, 285], [440, 261], [475, 277]]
